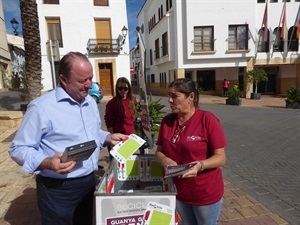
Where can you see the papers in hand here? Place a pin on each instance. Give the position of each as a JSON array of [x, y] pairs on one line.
[[122, 151], [173, 171]]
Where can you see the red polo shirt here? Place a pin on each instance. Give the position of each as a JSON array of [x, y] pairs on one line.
[[202, 135]]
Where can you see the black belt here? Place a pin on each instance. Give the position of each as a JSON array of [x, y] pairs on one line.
[[57, 182]]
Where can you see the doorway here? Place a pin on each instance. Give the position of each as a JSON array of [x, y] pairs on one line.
[[206, 79], [106, 78]]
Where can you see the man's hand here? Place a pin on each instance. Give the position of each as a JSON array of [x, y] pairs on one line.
[[115, 138], [54, 163]]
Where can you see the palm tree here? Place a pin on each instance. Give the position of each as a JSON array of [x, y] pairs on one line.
[[32, 44]]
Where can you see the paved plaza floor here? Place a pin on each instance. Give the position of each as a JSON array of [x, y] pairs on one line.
[[261, 173]]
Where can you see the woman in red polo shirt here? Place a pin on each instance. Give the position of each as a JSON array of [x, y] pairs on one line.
[[187, 135]]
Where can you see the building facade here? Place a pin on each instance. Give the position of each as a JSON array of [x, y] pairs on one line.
[[17, 55], [97, 28], [209, 41], [5, 64]]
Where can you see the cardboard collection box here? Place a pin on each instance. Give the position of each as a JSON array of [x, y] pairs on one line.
[[134, 192]]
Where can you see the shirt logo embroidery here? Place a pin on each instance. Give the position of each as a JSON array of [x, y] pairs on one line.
[[193, 138]]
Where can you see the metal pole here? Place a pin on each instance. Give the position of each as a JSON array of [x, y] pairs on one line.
[[52, 64]]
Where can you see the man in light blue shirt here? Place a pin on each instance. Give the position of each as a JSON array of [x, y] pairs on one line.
[[63, 117]]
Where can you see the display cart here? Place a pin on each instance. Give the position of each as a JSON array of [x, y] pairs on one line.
[[135, 193]]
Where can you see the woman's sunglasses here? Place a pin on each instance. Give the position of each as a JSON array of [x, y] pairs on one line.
[[123, 88]]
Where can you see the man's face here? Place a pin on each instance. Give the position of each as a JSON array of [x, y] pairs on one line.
[[80, 81]]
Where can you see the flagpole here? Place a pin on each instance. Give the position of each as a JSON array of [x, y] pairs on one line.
[[283, 30], [276, 39], [262, 23]]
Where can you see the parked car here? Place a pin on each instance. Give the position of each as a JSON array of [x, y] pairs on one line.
[[96, 92]]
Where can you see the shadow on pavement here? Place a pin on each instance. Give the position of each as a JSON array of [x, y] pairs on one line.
[[25, 207], [11, 100], [10, 137], [7, 102]]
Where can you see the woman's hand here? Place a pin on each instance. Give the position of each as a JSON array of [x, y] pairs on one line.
[[193, 172], [168, 162]]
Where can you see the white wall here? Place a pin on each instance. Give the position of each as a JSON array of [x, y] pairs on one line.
[[77, 25], [185, 14]]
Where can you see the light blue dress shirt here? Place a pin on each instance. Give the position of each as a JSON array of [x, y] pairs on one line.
[[53, 122]]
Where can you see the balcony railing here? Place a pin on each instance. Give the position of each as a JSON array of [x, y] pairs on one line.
[[103, 46]]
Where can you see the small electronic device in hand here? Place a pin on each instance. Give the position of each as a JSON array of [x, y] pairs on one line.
[[79, 152]]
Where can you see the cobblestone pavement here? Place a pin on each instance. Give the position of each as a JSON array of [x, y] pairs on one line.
[[261, 173]]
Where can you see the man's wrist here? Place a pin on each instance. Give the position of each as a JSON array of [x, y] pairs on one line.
[[107, 140]]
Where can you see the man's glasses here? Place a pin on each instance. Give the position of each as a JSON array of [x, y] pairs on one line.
[[123, 88], [177, 133]]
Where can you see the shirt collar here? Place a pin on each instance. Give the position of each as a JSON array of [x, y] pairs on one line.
[[62, 95]]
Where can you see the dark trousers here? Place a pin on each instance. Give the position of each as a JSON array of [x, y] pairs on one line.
[[66, 201], [225, 91]]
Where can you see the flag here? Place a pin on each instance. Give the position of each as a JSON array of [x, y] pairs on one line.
[[265, 23], [283, 22], [297, 24]]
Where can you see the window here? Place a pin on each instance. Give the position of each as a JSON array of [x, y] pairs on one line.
[[101, 2], [152, 22], [54, 30], [152, 78], [203, 39], [165, 44], [260, 1], [263, 45], [156, 48], [142, 28], [103, 35], [159, 16], [151, 57], [278, 45], [162, 79], [51, 2], [293, 41], [238, 37], [272, 1]]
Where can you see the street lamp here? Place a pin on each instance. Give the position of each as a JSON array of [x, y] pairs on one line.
[[15, 25], [124, 33]]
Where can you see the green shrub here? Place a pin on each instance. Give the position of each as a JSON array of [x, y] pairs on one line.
[[293, 94], [234, 94], [155, 112], [255, 76]]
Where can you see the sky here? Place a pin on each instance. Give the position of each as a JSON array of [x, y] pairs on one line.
[[12, 10]]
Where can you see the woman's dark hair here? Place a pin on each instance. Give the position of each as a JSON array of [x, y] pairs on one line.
[[129, 97], [186, 86], [66, 63]]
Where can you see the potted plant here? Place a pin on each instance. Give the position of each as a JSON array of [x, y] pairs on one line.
[[155, 114], [292, 97], [234, 96], [256, 76]]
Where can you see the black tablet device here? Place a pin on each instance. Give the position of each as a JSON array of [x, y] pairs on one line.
[[79, 152]]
